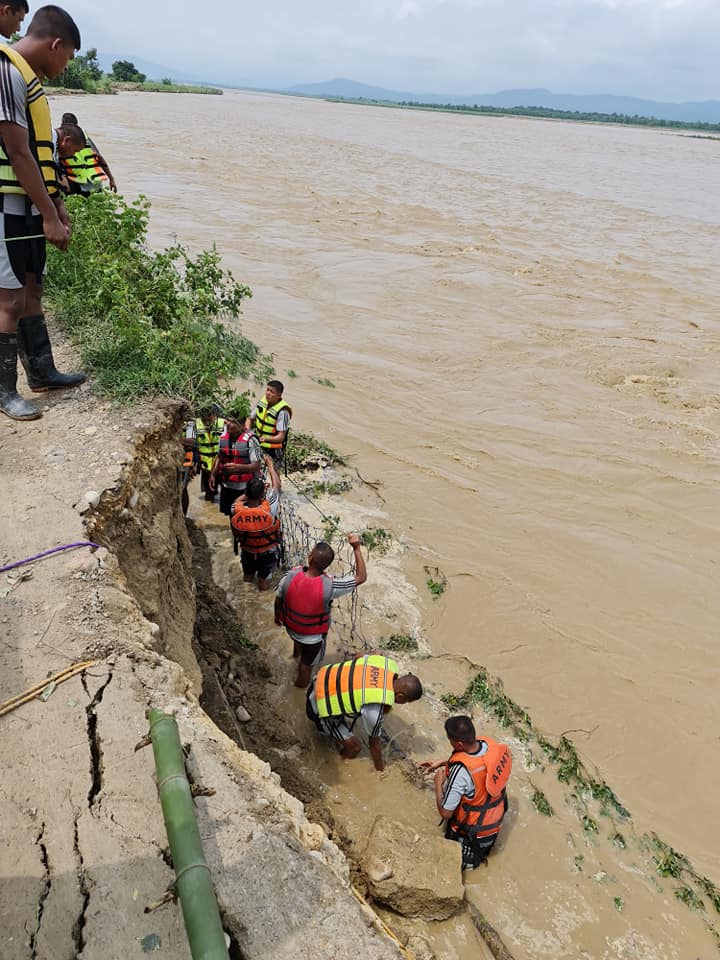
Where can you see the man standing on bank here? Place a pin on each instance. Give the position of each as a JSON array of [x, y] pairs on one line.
[[31, 208], [364, 689], [271, 420], [470, 789], [303, 600]]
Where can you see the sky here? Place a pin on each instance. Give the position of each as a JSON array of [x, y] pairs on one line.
[[657, 49]]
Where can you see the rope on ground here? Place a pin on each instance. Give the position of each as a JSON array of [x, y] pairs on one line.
[[49, 553], [19, 699]]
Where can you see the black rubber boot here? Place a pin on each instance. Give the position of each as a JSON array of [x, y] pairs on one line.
[[11, 403], [35, 351]]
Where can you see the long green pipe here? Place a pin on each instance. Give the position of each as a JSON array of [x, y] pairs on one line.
[[193, 882]]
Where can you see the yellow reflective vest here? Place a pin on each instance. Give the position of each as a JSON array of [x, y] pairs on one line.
[[343, 689], [266, 421], [39, 131], [208, 441], [84, 169]]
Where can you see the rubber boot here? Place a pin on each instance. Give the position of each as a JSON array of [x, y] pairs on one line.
[[11, 403], [35, 351]]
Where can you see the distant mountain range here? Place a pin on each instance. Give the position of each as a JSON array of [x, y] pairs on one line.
[[704, 111]]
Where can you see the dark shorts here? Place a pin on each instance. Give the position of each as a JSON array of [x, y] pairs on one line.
[[228, 497], [474, 849], [309, 652], [261, 564], [20, 257]]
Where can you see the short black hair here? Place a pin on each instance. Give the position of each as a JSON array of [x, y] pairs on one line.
[[73, 131], [54, 22], [460, 728], [410, 686], [16, 5], [69, 118], [323, 555], [276, 385], [255, 489]]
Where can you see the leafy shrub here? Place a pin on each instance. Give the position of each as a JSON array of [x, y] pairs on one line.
[[400, 642], [304, 452], [147, 322]]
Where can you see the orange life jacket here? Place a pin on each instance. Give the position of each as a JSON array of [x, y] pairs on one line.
[[483, 815], [189, 459], [231, 453], [306, 604], [255, 527]]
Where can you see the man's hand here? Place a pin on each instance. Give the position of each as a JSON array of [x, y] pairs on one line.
[[354, 540], [63, 214], [113, 185], [56, 232], [429, 766], [212, 483]]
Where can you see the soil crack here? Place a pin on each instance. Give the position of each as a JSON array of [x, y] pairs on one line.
[[78, 931], [44, 893], [95, 741]]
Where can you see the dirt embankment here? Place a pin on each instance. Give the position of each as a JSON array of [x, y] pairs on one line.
[[84, 845]]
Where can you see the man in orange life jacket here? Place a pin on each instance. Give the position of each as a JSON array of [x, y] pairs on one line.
[[470, 789], [303, 600], [239, 459], [256, 527]]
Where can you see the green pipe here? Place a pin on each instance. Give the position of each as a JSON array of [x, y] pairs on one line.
[[193, 882]]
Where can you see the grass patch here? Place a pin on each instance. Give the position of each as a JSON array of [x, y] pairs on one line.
[[305, 452], [376, 539], [327, 488], [541, 803], [400, 643], [147, 322], [436, 581]]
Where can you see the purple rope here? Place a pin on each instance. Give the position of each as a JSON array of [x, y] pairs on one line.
[[49, 553]]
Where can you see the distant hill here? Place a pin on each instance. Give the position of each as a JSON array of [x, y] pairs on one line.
[[704, 111]]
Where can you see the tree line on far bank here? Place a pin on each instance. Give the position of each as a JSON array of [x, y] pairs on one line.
[[542, 112]]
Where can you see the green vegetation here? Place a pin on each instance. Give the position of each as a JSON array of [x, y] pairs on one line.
[[85, 73], [236, 638], [618, 840], [688, 896], [327, 488], [377, 539], [305, 452], [545, 113], [147, 323], [668, 862], [619, 904], [399, 643], [323, 381], [330, 526], [588, 824], [436, 582], [291, 374], [541, 803], [125, 70], [239, 407], [153, 86]]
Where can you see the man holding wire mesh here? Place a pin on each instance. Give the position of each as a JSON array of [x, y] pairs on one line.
[[303, 600]]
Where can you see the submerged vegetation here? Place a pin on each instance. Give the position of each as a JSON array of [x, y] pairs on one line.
[[147, 322], [399, 643], [305, 452]]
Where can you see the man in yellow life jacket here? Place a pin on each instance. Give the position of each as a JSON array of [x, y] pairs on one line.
[[88, 142], [271, 421], [303, 600], [31, 208], [256, 527], [79, 162], [12, 15], [209, 427], [470, 789], [363, 689]]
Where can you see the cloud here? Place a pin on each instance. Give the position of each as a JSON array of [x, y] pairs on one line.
[[659, 48]]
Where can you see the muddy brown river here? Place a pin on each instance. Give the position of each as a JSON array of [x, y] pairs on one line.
[[520, 320]]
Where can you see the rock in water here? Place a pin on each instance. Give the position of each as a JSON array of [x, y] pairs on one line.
[[422, 879]]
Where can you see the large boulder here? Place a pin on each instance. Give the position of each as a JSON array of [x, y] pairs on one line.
[[417, 876]]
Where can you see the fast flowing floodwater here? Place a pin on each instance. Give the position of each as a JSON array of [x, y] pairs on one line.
[[520, 318]]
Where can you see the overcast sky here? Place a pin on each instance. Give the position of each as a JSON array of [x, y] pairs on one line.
[[661, 49]]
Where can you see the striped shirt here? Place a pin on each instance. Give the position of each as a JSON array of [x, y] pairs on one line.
[[13, 109], [459, 783]]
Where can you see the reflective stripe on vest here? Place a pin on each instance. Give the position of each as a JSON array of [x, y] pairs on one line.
[[255, 527], [483, 815], [237, 452], [343, 689], [306, 605], [84, 168], [40, 136], [208, 441], [265, 421]]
